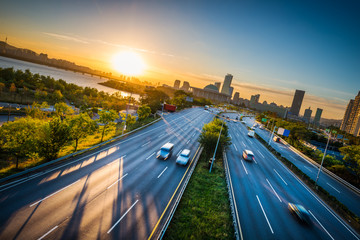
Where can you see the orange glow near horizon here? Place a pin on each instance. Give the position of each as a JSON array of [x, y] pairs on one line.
[[128, 63]]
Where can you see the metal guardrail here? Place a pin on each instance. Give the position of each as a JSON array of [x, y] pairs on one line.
[[172, 212], [74, 154]]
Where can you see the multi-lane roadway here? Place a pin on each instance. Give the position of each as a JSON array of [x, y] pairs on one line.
[[118, 191], [262, 190]]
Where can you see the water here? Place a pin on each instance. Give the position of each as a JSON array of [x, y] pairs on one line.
[[83, 80]]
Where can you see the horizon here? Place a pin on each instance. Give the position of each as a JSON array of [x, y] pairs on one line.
[[271, 50]]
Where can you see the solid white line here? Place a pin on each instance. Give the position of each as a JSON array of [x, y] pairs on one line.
[[265, 214], [53, 193], [145, 144], [333, 187], [307, 168], [261, 154], [243, 143], [280, 176], [117, 181], [273, 190], [122, 217], [162, 172], [150, 156], [244, 167], [235, 147], [48, 233], [321, 225]]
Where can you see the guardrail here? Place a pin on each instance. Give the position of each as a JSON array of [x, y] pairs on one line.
[[75, 153], [168, 220]]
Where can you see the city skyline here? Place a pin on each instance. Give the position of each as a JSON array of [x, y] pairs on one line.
[[269, 49]]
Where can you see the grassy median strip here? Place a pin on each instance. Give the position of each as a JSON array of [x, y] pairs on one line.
[[204, 210]]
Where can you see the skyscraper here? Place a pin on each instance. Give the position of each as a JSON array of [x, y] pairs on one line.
[[352, 124], [297, 101], [177, 84], [218, 84], [185, 86], [346, 117], [307, 115], [254, 99], [317, 116], [226, 85], [231, 90]]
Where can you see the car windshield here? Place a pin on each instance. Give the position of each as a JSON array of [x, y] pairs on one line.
[[184, 154], [163, 152], [250, 155]]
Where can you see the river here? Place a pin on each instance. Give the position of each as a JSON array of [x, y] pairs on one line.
[[83, 80]]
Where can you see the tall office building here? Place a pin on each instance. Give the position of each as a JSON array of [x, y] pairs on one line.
[[352, 125], [185, 86], [231, 90], [307, 115], [317, 116], [236, 96], [297, 101], [218, 84], [177, 84], [254, 98], [347, 115], [226, 85]]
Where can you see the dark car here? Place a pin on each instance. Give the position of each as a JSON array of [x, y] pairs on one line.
[[300, 212]]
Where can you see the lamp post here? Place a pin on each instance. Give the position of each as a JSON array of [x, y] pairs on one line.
[[213, 158], [322, 160], [271, 136]]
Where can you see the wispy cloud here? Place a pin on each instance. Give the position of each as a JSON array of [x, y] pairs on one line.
[[66, 38]]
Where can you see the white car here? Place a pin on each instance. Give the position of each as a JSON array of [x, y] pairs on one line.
[[184, 157], [251, 133]]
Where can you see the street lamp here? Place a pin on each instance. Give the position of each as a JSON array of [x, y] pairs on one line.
[[272, 134], [322, 160], [213, 158]]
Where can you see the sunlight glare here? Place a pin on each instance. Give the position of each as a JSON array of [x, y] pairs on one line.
[[128, 63]]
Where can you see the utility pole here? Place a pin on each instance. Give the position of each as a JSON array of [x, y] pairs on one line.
[[213, 158], [322, 161]]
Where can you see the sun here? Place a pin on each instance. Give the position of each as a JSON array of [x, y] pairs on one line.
[[128, 63]]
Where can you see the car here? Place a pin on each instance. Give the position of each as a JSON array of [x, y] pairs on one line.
[[300, 212], [276, 139], [261, 127], [243, 122], [184, 157], [251, 133], [165, 151], [248, 155]]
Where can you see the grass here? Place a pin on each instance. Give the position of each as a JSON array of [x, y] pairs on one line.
[[204, 210]]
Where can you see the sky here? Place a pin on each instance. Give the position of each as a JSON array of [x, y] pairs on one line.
[[271, 48]]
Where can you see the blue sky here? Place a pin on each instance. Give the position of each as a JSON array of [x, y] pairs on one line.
[[271, 47]]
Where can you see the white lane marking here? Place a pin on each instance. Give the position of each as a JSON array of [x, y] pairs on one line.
[[53, 193], [333, 187], [260, 153], [280, 176], [251, 142], [150, 155], [48, 233], [161, 135], [273, 190], [178, 153], [193, 135], [122, 216], [117, 181], [230, 136], [188, 141], [235, 147], [255, 161], [293, 158], [265, 214], [321, 225], [243, 143], [307, 168], [162, 172], [146, 144], [244, 167]]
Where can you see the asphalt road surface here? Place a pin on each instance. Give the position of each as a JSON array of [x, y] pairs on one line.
[[118, 191], [264, 187]]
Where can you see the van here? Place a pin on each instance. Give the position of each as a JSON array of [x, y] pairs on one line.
[[165, 151], [251, 133]]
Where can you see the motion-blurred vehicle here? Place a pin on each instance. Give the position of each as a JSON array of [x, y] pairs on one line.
[[248, 155], [251, 133], [276, 139], [184, 157], [300, 212], [165, 151]]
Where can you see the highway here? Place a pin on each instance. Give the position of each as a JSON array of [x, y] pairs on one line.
[[118, 191], [262, 190], [345, 195]]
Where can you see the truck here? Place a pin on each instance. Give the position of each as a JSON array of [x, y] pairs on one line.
[[169, 107]]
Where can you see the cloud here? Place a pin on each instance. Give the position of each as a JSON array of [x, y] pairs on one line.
[[66, 38]]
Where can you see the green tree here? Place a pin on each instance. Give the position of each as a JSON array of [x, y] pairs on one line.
[[19, 137], [80, 126], [13, 89], [2, 86], [143, 112], [352, 157], [107, 119], [209, 136], [53, 136], [153, 98], [62, 109], [35, 110], [57, 95], [130, 120]]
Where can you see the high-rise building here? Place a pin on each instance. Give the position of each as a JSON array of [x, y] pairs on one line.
[[297, 101], [347, 115], [236, 96], [307, 115], [226, 85], [352, 124], [254, 99], [231, 90], [317, 116], [185, 86], [218, 84], [177, 84]]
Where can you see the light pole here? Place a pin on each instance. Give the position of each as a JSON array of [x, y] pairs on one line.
[[322, 160], [127, 110], [272, 134], [213, 158]]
